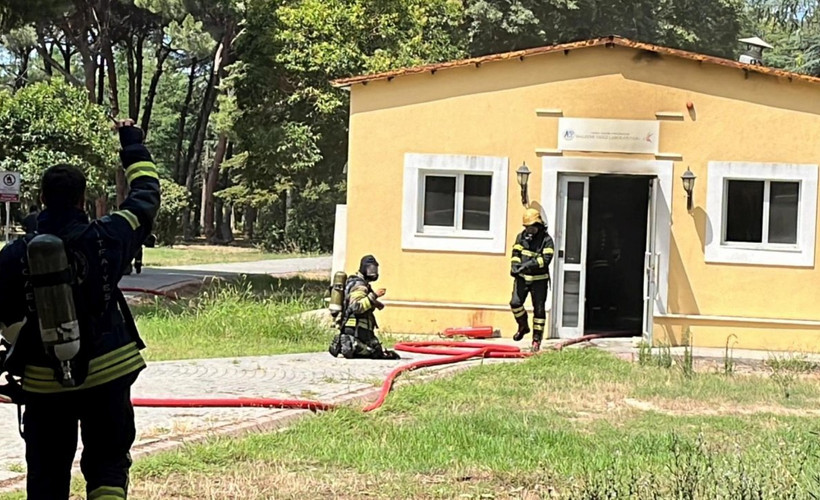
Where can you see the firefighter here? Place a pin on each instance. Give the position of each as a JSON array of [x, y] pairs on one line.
[[357, 338], [531, 257], [85, 378]]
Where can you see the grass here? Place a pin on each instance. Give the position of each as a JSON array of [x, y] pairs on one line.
[[575, 424], [186, 255], [256, 316]]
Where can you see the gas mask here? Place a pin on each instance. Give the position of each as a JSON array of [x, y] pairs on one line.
[[369, 268]]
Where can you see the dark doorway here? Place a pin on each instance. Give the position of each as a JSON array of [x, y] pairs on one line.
[[615, 256]]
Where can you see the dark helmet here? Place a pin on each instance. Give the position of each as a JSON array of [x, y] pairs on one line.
[[369, 268]]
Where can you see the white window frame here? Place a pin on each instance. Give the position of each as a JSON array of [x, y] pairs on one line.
[[416, 236], [800, 254]]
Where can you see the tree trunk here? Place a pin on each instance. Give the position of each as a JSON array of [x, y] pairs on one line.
[[102, 206], [209, 187], [133, 111], [249, 219], [178, 172], [22, 75], [162, 55], [43, 48]]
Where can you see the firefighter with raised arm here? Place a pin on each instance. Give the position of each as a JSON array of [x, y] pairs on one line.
[[72, 351], [357, 338], [529, 265]]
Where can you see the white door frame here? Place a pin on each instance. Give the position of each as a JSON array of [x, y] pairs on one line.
[[664, 170], [561, 267]]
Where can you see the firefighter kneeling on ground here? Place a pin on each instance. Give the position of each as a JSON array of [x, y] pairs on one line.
[[357, 322], [531, 257], [71, 347]]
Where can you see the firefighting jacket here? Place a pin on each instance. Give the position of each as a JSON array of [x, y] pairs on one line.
[[361, 303], [99, 252], [535, 253]]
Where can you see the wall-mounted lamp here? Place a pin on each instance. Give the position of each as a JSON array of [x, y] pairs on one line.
[[688, 179], [523, 174]]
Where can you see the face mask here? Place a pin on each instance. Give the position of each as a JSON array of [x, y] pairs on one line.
[[372, 273], [531, 229]]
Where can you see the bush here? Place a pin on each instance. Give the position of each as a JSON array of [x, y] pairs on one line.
[[175, 199]]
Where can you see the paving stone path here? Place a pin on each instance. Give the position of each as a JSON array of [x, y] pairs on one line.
[[298, 376]]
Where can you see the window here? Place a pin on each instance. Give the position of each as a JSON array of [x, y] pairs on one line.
[[454, 203], [761, 213], [457, 203]]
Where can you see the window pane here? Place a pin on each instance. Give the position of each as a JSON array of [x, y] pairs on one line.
[[439, 201], [572, 299], [575, 220], [744, 211], [477, 191], [783, 212]]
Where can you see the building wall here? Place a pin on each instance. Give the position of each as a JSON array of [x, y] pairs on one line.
[[490, 110]]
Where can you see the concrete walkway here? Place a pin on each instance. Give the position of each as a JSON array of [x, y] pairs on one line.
[[162, 278]]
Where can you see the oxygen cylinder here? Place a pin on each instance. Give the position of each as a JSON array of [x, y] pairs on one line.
[[337, 293], [51, 279]]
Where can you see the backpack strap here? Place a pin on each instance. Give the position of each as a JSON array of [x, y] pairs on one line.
[[130, 324]]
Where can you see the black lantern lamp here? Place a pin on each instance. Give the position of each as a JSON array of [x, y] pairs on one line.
[[523, 174], [688, 179]]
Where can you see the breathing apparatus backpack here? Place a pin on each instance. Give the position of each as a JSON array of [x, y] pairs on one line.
[[338, 298]]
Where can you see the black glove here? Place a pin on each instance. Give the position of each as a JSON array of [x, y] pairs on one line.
[[515, 269], [529, 264], [130, 135]]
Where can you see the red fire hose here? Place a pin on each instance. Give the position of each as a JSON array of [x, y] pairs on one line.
[[172, 296], [451, 352]]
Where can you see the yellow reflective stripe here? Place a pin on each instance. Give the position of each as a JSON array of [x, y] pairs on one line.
[[366, 303], [515, 259], [132, 219], [540, 261], [107, 493], [518, 247], [519, 314], [537, 277], [517, 309], [99, 363], [541, 321], [528, 253], [141, 169], [549, 251], [101, 370]]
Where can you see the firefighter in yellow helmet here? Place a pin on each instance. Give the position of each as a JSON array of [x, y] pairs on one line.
[[531, 257]]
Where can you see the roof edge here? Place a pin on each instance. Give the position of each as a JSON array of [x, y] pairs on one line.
[[595, 42]]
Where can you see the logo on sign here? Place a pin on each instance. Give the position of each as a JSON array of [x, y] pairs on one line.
[[9, 180], [569, 135], [649, 137]]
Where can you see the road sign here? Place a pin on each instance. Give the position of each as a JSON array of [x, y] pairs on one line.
[[10, 187]]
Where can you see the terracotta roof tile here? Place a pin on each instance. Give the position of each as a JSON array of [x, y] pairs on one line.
[[607, 41]]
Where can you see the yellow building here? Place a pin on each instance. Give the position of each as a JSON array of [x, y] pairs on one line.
[[607, 127]]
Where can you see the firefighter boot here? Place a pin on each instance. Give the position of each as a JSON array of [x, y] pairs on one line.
[[523, 329], [536, 345], [335, 346], [348, 346]]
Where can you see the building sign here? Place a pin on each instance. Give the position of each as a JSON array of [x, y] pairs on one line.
[[608, 136], [10, 187]]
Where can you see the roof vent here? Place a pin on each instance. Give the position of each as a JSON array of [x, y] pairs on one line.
[[754, 50]]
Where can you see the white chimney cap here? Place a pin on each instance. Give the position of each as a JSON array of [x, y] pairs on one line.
[[756, 41]]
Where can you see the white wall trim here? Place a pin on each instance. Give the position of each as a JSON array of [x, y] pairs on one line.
[[492, 241], [800, 256], [339, 241], [664, 170], [739, 319]]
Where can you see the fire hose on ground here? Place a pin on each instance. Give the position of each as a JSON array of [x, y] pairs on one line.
[[451, 352]]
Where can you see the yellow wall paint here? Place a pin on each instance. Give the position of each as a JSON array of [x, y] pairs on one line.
[[491, 111]]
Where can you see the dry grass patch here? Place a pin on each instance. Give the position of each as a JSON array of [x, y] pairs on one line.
[[263, 480]]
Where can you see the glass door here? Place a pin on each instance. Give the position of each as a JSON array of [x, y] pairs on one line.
[[651, 261], [570, 269]]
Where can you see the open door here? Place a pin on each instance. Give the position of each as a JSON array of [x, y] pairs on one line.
[[570, 273], [651, 262]]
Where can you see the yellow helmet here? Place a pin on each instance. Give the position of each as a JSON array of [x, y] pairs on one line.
[[532, 216]]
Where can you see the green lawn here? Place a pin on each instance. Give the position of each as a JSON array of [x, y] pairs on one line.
[[576, 424], [186, 255], [249, 318]]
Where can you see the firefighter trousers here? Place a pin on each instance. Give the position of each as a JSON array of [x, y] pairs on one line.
[[106, 418], [538, 295]]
